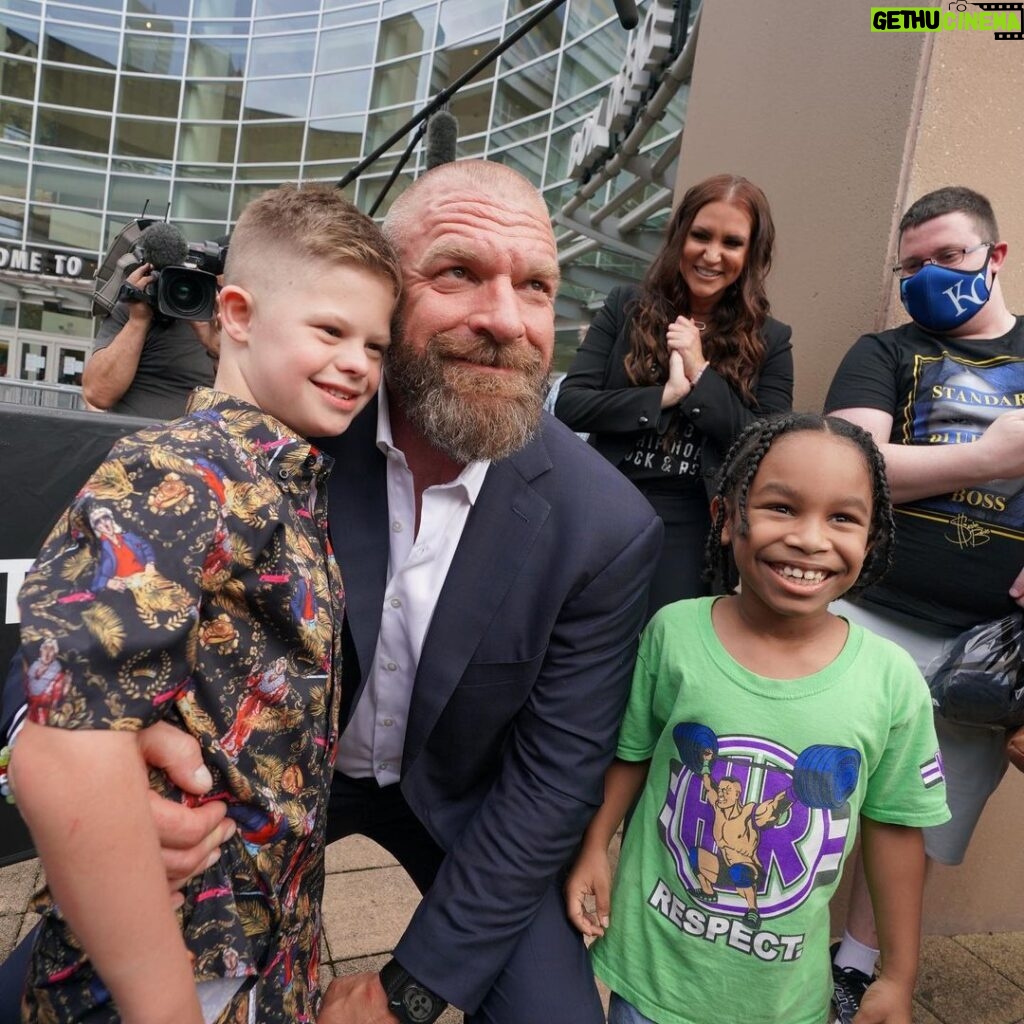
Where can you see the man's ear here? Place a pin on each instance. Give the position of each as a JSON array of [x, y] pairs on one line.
[[720, 506], [234, 306], [997, 257]]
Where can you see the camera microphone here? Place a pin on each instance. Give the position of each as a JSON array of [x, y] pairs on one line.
[[626, 10], [442, 137], [162, 245]]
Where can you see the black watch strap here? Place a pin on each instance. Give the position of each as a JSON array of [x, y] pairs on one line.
[[408, 1000]]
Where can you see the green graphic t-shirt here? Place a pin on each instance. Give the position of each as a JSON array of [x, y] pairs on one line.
[[720, 902]]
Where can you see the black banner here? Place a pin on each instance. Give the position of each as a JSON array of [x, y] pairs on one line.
[[45, 457]]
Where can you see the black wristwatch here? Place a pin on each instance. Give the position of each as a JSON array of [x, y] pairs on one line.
[[408, 1000]]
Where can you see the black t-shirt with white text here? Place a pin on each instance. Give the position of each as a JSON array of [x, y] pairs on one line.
[[956, 554]]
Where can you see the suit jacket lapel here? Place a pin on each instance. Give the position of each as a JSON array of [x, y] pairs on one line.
[[501, 528], [358, 512]]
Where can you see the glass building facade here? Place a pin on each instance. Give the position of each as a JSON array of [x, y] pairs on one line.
[[195, 106]]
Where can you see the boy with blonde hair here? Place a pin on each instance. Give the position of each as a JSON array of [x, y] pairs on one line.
[[231, 502]]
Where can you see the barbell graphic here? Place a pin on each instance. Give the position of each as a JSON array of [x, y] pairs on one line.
[[823, 776]]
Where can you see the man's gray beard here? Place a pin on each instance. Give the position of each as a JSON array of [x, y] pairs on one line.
[[468, 416]]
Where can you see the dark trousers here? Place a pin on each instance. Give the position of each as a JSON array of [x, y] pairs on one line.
[[13, 975], [548, 978]]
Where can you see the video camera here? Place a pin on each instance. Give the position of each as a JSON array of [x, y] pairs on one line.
[[184, 285], [185, 275]]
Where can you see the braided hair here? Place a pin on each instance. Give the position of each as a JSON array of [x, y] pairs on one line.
[[742, 463]]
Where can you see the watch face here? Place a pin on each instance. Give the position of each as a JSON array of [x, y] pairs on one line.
[[418, 1004]]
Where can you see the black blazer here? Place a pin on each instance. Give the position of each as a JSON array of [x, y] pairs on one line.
[[520, 687], [597, 396]]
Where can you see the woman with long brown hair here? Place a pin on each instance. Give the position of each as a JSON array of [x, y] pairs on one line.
[[671, 372]]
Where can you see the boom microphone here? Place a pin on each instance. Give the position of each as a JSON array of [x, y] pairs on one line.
[[626, 10], [442, 138], [163, 245]]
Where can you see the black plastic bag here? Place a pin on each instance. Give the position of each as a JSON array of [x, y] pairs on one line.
[[981, 680]]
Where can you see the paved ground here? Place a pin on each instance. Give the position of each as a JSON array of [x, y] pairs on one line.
[[965, 979]]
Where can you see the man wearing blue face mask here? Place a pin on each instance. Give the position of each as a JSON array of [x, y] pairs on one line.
[[943, 396]]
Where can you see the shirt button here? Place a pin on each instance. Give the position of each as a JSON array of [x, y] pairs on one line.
[[384, 766], [283, 474], [396, 603], [396, 526], [388, 722], [392, 667], [695, 411], [643, 421]]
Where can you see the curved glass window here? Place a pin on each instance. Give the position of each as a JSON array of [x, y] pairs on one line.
[[282, 55], [69, 130], [276, 98], [350, 14], [271, 143], [217, 58], [265, 7], [401, 82], [16, 121], [545, 37], [69, 88], [167, 8], [76, 13], [63, 186], [12, 219], [148, 23], [130, 195], [594, 62], [76, 44], [405, 33], [18, 78], [207, 144], [344, 93], [460, 20], [200, 201], [277, 26], [525, 92], [155, 97], [154, 54], [221, 8], [343, 48], [213, 101], [335, 139], [19, 36], [583, 14], [13, 178], [148, 139], [74, 228]]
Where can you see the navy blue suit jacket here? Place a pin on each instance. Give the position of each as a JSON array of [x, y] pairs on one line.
[[521, 685]]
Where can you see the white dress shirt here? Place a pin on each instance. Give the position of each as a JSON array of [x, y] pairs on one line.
[[418, 562]]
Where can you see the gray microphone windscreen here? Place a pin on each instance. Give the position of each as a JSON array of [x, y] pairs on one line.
[[627, 12], [163, 245], [442, 137]]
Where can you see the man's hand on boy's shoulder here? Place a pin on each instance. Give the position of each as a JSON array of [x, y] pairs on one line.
[[190, 837], [886, 1002]]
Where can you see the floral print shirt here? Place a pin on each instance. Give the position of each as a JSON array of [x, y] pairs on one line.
[[192, 581]]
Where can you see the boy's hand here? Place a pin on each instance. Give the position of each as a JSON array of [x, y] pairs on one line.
[[886, 1002], [356, 999], [190, 837], [589, 884]]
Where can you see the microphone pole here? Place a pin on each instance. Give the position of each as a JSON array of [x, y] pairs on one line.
[[446, 94]]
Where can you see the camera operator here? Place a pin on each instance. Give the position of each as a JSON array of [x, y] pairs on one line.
[[144, 364]]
